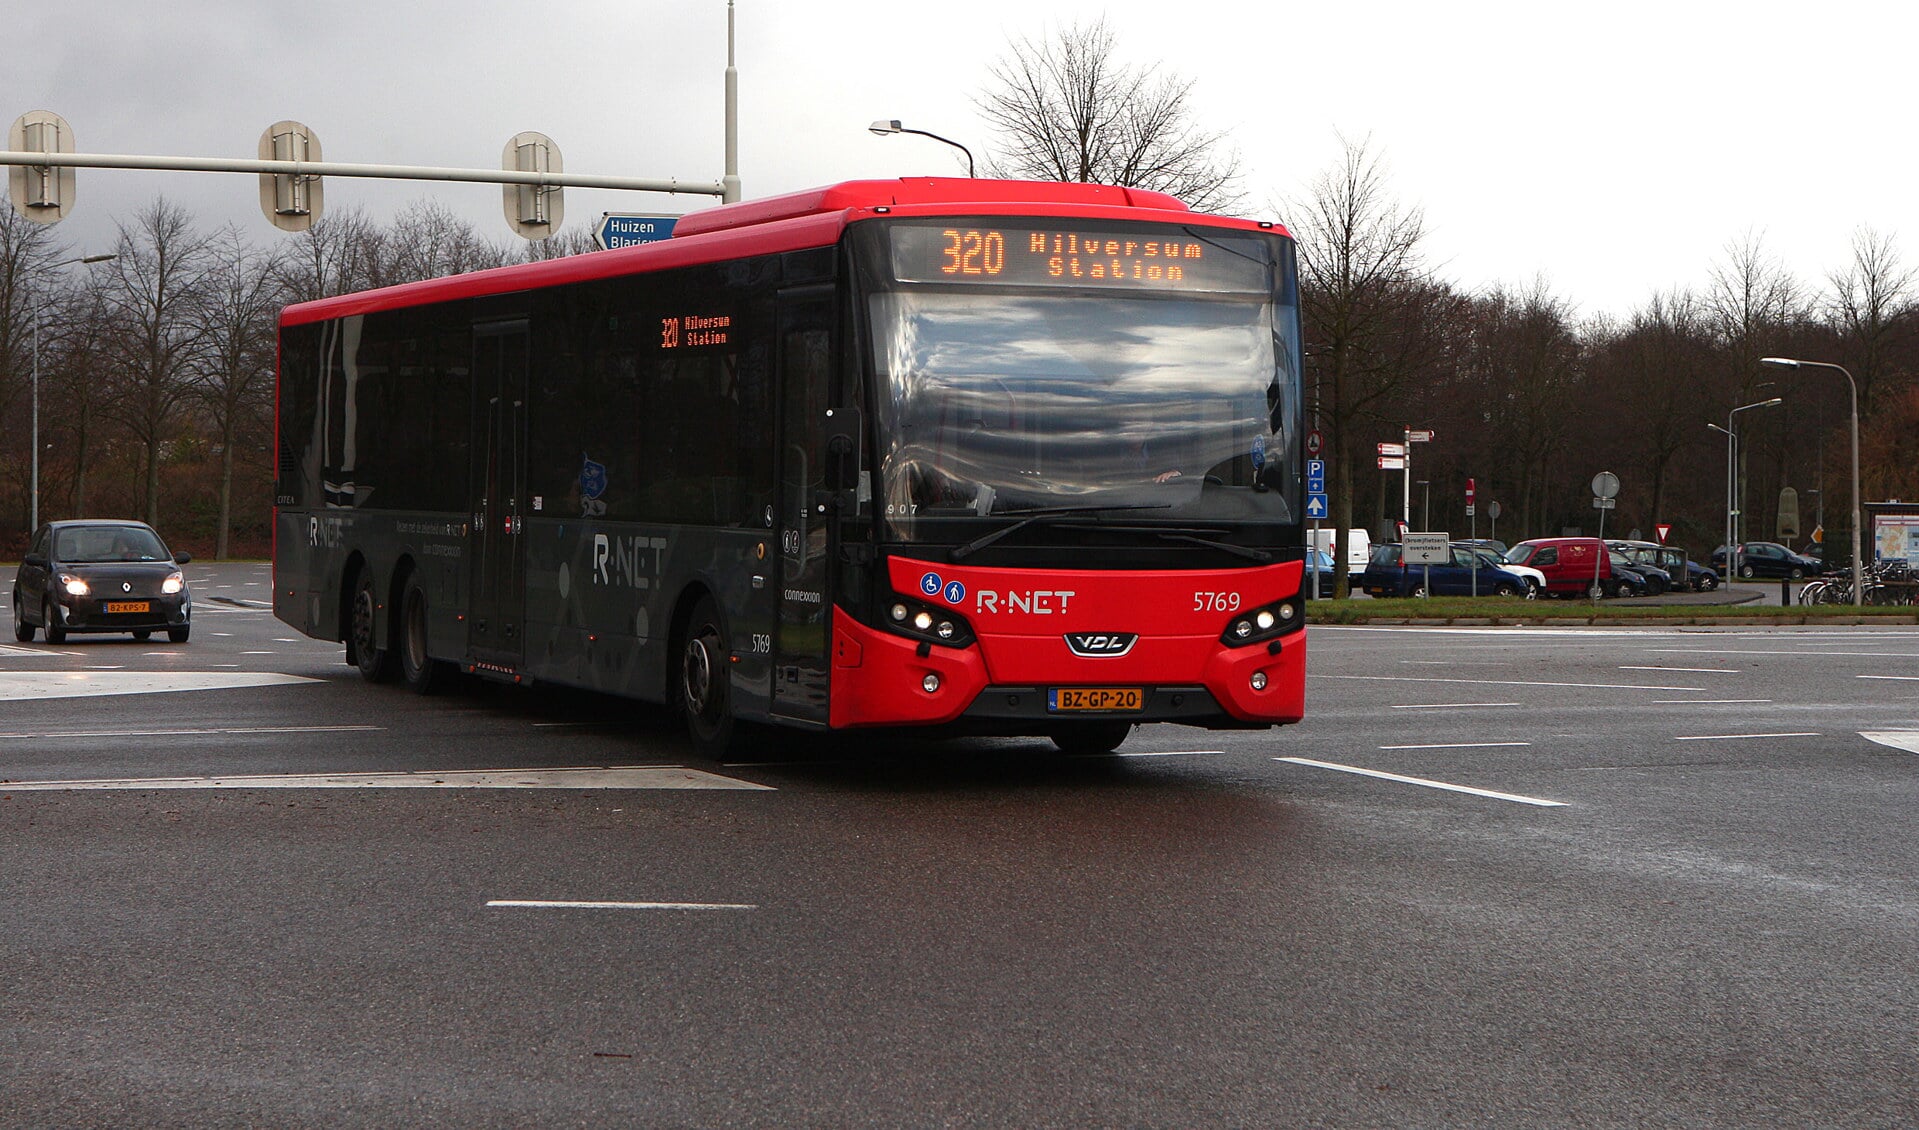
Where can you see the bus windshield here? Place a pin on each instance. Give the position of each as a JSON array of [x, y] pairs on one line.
[[994, 402]]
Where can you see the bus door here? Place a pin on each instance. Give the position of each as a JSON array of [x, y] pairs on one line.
[[800, 640], [497, 608]]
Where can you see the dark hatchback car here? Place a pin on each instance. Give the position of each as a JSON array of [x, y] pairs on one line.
[[1767, 559], [100, 576]]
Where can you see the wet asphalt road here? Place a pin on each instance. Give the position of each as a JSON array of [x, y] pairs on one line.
[[1682, 892]]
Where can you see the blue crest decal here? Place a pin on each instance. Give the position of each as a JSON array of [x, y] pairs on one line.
[[592, 478], [1259, 453]]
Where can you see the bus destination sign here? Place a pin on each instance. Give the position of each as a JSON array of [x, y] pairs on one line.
[[1188, 259]]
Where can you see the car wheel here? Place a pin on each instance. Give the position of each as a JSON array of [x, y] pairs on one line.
[[704, 692], [423, 673], [180, 634], [1797, 572], [22, 630], [1505, 588], [1707, 584], [1417, 592], [1746, 571], [1092, 739], [1596, 591], [50, 616], [376, 664], [1532, 591]]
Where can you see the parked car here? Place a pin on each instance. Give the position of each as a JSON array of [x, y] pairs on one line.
[[1498, 547], [1768, 559], [1633, 579], [1572, 566], [1700, 578], [1321, 562], [1535, 580], [1385, 576], [100, 576], [1650, 560]]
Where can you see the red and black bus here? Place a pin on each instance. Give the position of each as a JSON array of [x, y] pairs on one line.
[[968, 455]]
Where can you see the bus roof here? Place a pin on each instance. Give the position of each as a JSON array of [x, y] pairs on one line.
[[792, 222]]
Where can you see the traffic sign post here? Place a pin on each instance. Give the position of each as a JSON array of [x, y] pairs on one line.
[[1664, 530], [1473, 526], [1315, 504], [1605, 497], [1426, 549]]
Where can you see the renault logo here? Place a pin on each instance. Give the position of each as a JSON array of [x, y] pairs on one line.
[[1101, 645], [126, 586]]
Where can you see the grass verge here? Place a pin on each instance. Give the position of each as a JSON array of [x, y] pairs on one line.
[[1498, 610]]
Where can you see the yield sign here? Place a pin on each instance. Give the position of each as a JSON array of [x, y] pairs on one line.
[[1662, 529]]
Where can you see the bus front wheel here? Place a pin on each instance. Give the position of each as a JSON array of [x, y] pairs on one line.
[[704, 684]]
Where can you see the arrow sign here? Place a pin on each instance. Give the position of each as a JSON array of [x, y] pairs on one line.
[[625, 229], [1315, 506], [1392, 449]]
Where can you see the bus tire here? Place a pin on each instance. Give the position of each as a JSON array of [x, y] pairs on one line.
[[1092, 738], [423, 674], [704, 687], [376, 663]]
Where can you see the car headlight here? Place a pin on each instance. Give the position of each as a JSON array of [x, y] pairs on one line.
[[73, 585], [174, 583]]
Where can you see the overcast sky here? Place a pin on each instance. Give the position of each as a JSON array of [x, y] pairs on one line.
[[1614, 149]]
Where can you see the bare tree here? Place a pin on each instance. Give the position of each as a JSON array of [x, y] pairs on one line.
[[1872, 308], [1361, 283], [428, 241], [559, 245], [1069, 110], [155, 294], [340, 254], [233, 371]]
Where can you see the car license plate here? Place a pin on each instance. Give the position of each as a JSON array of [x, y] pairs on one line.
[[1095, 698], [129, 606]]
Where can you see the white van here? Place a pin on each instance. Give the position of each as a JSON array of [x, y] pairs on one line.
[[1358, 546]]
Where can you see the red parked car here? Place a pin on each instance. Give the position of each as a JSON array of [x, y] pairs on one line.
[[1573, 566]]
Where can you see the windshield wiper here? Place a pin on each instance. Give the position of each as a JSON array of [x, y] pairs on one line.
[[1258, 555], [1028, 517]]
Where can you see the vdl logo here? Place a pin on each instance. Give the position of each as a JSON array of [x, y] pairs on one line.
[[932, 585]]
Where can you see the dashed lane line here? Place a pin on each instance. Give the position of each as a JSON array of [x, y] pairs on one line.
[[1741, 737], [590, 777], [568, 904], [1501, 682]]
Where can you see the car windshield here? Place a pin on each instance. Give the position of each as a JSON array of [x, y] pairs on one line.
[[1520, 554], [94, 544]]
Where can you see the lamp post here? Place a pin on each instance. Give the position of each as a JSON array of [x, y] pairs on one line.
[[33, 519], [892, 125], [1858, 566], [1732, 482]]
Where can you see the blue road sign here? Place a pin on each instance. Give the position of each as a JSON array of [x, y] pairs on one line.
[[1315, 505], [621, 229], [1315, 468]]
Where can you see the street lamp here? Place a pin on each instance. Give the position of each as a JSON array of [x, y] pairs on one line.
[[1858, 567], [892, 125], [1732, 482], [33, 520]]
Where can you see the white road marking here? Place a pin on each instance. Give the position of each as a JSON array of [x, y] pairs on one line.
[[188, 732], [1700, 670], [1907, 740], [1709, 701], [78, 684], [1502, 682], [256, 653], [1900, 678], [1514, 797], [1457, 745], [611, 777], [554, 904], [1167, 753], [1735, 737], [106, 666], [1449, 705], [1789, 654]]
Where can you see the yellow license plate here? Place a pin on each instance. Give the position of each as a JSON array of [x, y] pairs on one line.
[[129, 606], [1097, 698]]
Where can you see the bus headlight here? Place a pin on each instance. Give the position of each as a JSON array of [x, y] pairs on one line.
[[1265, 623], [917, 620]]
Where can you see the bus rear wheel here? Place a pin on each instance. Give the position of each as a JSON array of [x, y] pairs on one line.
[[705, 682], [375, 663], [423, 673], [1092, 738]]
